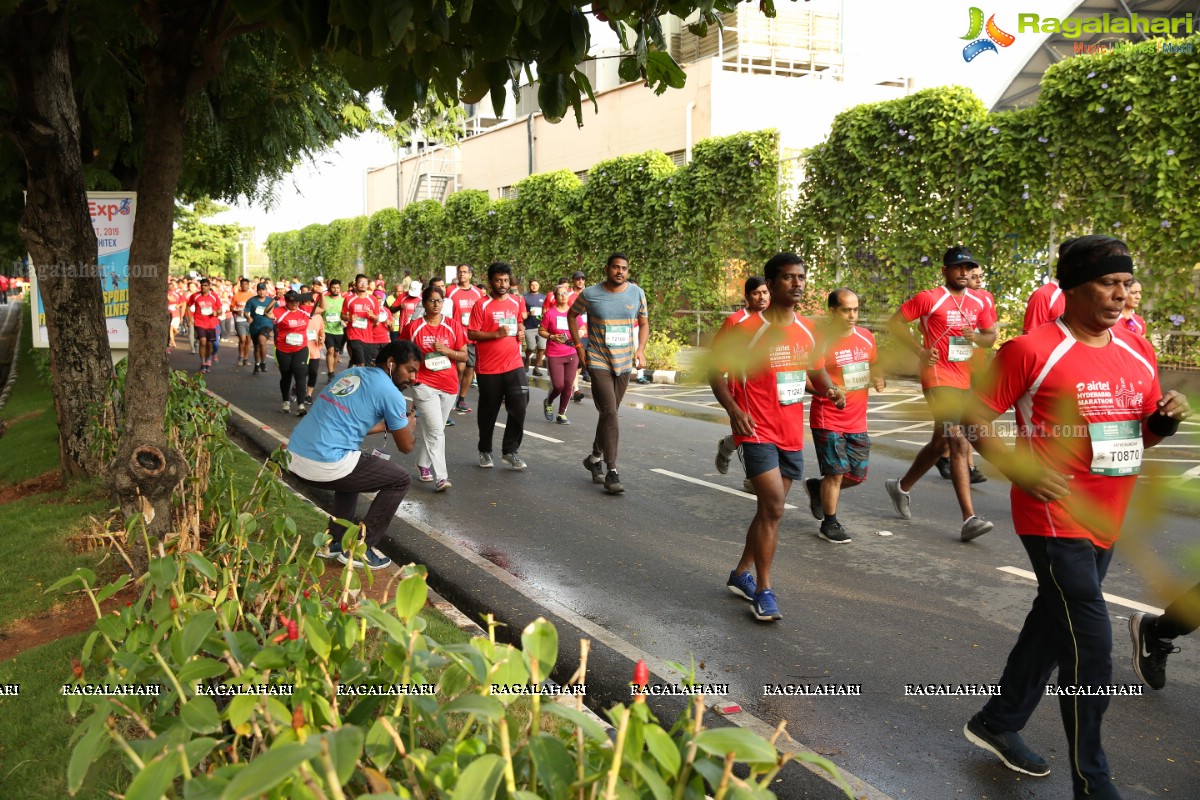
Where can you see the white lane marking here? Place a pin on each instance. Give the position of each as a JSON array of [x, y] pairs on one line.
[[911, 399], [528, 432], [910, 441], [1194, 472], [716, 486], [1116, 600], [914, 426]]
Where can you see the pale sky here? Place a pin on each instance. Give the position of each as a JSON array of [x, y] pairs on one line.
[[882, 39]]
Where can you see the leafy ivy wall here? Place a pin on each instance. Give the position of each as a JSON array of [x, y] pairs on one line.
[[1111, 146], [679, 226]]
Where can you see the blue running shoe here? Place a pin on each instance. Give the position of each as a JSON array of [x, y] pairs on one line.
[[371, 559], [765, 608], [742, 585]]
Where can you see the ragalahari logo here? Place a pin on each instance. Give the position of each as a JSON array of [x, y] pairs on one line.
[[994, 37]]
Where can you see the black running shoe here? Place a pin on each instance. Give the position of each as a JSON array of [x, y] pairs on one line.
[[1010, 748], [977, 476], [1149, 653], [943, 467], [834, 532]]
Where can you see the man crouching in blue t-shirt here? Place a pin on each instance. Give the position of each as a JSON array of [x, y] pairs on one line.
[[325, 445]]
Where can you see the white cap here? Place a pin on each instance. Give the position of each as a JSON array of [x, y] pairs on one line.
[[414, 289]]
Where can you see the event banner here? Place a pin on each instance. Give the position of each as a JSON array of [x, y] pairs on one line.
[[112, 218]]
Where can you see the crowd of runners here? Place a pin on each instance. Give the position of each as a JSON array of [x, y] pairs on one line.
[[1082, 379]]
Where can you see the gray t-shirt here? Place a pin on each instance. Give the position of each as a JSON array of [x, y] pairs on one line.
[[612, 325]]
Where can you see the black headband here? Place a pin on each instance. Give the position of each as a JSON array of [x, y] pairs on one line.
[[1095, 269]]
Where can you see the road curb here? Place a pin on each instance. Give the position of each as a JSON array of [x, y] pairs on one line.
[[476, 587]]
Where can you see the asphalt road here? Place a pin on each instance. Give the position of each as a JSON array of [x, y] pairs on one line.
[[914, 607]]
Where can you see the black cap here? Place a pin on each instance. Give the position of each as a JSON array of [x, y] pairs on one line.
[[291, 297], [579, 274], [958, 255]]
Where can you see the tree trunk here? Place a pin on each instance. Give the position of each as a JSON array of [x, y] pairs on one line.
[[146, 470], [56, 226]]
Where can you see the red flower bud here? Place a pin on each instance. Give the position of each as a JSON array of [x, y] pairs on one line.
[[342, 606], [174, 603], [306, 594], [293, 630]]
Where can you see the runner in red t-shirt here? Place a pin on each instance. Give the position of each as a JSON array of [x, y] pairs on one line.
[[758, 297], [359, 312], [953, 320], [175, 303], [769, 356], [1087, 403], [442, 342], [840, 434], [205, 308], [460, 301], [291, 348], [3, 290], [496, 330]]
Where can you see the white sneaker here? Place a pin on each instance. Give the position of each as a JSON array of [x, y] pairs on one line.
[[286, 407]]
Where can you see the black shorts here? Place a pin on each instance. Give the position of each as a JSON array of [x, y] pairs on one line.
[[362, 354], [335, 342], [764, 457], [206, 333]]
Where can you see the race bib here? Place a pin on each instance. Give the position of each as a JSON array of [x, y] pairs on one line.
[[436, 362], [294, 339], [206, 311], [332, 317], [617, 335], [509, 324], [260, 310], [1116, 447], [856, 375], [536, 312], [360, 322], [959, 349], [560, 324], [312, 336], [466, 318], [790, 386]]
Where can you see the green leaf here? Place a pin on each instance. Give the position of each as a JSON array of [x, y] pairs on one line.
[[196, 630], [80, 575], [86, 752], [580, 720], [345, 747], [663, 748], [410, 597], [484, 707], [155, 778], [384, 621], [202, 565], [539, 641], [317, 636], [240, 709], [648, 774], [555, 764], [270, 769], [200, 715], [628, 70], [744, 745], [162, 572], [200, 669], [112, 588], [481, 779]]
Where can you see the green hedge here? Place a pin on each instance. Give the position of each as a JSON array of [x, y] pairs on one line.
[[680, 227]]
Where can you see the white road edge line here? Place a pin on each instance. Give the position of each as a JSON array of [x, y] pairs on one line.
[[902, 430], [716, 486], [744, 719], [1116, 600], [911, 399], [528, 432]]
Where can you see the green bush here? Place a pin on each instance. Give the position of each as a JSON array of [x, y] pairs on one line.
[[249, 611], [662, 351]]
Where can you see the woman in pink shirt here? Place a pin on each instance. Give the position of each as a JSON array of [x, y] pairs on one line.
[[560, 352], [1129, 316]]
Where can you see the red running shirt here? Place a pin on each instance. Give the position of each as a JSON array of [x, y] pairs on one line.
[[768, 365], [437, 371], [460, 302], [1070, 399], [363, 312], [848, 361], [943, 318], [495, 356], [1046, 304], [291, 330], [206, 310]]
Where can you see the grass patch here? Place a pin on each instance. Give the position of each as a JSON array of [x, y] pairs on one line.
[[35, 729], [40, 525], [31, 429]]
